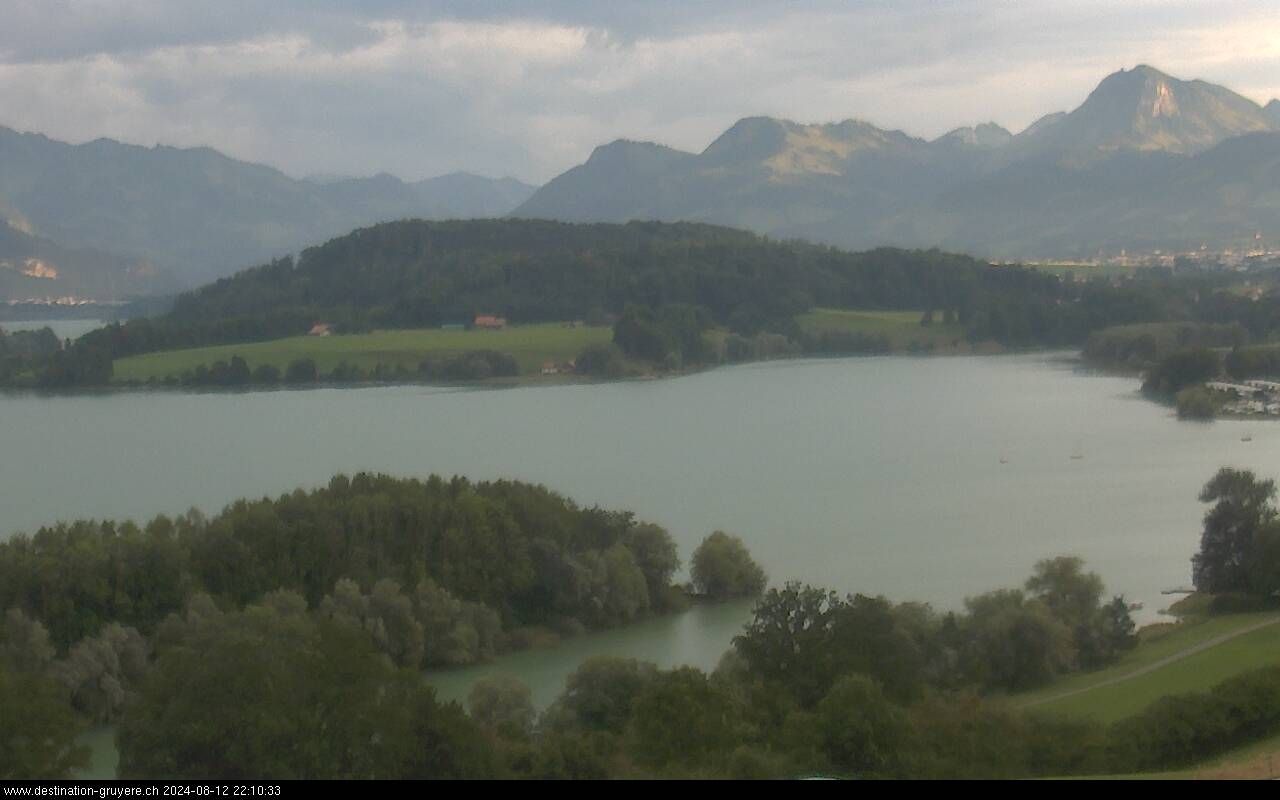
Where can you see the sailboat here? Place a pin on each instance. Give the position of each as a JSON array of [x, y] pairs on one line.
[[1077, 453]]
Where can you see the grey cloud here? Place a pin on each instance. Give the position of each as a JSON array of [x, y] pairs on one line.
[[527, 89]]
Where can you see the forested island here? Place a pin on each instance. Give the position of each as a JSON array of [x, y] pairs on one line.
[[668, 296], [284, 638]]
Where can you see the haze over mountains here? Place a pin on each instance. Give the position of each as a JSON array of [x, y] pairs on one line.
[[191, 214], [1147, 161]]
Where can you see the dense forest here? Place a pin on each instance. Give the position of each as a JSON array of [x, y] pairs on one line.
[[663, 284], [489, 562], [284, 638]]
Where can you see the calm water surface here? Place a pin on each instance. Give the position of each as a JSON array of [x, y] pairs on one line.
[[62, 328], [876, 475]]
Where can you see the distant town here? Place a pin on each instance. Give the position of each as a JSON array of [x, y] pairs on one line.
[[1259, 256], [1248, 398]]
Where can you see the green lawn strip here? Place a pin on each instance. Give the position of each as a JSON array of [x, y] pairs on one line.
[[901, 327], [530, 345], [1197, 672], [1157, 642]]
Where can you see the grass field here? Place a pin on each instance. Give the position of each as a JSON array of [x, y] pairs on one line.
[[1196, 672], [902, 328], [530, 345]]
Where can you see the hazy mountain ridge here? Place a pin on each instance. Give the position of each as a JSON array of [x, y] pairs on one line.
[[1146, 160], [202, 214], [35, 268]]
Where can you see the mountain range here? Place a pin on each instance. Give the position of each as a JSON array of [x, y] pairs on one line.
[[161, 217], [1147, 161]]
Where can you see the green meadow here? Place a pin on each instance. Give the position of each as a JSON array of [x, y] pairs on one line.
[[530, 345], [901, 328], [1102, 699]]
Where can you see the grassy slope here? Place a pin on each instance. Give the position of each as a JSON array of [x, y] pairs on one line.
[[901, 327], [1197, 672], [531, 345]]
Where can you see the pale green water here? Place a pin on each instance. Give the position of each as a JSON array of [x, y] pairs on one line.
[[62, 328], [878, 475]]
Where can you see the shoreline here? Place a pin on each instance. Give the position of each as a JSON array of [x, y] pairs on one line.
[[1069, 355]]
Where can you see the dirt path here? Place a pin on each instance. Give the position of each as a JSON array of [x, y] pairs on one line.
[[1155, 665]]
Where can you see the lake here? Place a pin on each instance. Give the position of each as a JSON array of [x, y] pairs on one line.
[[62, 328], [873, 475]]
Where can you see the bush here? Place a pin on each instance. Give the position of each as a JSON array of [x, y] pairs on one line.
[[266, 373], [476, 365], [601, 361], [1183, 729], [1196, 402], [303, 370]]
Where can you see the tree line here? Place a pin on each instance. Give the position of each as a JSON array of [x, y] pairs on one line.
[[664, 283], [256, 641], [516, 555]]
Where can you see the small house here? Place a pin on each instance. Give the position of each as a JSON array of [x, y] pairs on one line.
[[321, 329], [489, 322]]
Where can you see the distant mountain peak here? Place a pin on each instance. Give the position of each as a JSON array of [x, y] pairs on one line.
[[622, 146], [986, 136], [1146, 109], [787, 149]]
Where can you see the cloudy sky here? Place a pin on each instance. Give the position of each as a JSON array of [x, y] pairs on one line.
[[527, 89]]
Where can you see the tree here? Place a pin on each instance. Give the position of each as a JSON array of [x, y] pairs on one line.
[[272, 692], [24, 643], [655, 554], [599, 694], [502, 703], [790, 628], [302, 370], [1196, 402], [861, 731], [1181, 369], [682, 718], [1070, 593], [601, 361], [386, 614], [37, 729], [1111, 634], [723, 568], [454, 632], [804, 639], [102, 671], [1242, 510], [1015, 643]]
